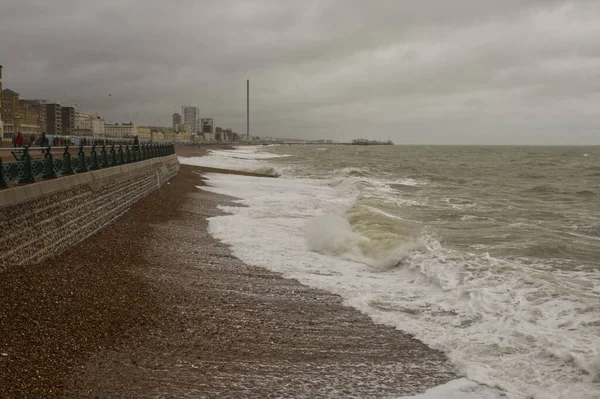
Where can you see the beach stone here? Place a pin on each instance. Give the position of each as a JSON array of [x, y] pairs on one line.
[[152, 306]]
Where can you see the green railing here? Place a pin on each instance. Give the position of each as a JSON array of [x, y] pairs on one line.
[[27, 169]]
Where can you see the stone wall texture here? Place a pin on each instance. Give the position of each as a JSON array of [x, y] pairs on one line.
[[43, 219]]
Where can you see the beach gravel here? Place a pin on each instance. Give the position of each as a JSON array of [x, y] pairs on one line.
[[154, 307]]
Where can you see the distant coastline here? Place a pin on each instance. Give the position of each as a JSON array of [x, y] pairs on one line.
[[371, 142]]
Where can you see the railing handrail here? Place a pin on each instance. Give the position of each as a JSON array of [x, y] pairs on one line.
[[27, 169], [56, 148]]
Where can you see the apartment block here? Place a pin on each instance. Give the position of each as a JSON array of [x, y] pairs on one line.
[[206, 125], [176, 120], [190, 116], [54, 122], [68, 120]]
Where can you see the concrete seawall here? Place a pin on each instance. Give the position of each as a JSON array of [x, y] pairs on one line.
[[43, 219]]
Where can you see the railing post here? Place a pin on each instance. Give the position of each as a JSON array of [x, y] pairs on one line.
[[94, 156], [113, 155], [127, 154], [121, 157], [67, 161], [27, 175], [3, 179], [50, 162], [104, 156], [81, 156]]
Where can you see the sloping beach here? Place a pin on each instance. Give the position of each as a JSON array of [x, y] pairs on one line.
[[154, 307]]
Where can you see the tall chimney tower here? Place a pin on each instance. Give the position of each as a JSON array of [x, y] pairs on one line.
[[248, 110]]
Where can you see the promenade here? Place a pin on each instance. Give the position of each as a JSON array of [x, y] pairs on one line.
[[154, 307]]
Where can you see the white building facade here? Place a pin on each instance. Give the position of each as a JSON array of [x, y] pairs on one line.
[[125, 130], [88, 125]]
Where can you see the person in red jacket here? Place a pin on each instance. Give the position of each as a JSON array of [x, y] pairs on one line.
[[19, 140]]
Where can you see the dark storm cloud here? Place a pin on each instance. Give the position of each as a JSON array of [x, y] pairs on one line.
[[467, 71]]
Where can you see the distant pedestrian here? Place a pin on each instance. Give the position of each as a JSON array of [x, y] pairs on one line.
[[19, 140], [44, 141], [31, 140], [136, 142]]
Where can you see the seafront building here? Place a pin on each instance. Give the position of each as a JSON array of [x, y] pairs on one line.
[[17, 116], [176, 120], [88, 125], [124, 130], [178, 126], [190, 116], [10, 102], [68, 120], [144, 133], [32, 117], [54, 123], [206, 126], [40, 106]]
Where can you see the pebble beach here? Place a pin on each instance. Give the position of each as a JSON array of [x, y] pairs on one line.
[[153, 306]]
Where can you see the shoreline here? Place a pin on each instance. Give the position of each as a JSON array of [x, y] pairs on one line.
[[173, 313]]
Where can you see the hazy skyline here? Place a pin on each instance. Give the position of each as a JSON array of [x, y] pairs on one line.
[[431, 72]]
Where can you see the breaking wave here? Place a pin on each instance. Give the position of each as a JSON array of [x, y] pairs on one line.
[[244, 159], [506, 318]]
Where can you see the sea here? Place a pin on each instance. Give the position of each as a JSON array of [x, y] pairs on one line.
[[490, 254]]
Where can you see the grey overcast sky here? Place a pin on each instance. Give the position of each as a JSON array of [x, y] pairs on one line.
[[427, 71]]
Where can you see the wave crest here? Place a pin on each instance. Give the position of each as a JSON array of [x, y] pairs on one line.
[[352, 172], [333, 235]]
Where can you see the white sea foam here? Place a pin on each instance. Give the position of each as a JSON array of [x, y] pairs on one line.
[[510, 330], [350, 171], [244, 159], [408, 182], [459, 389]]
